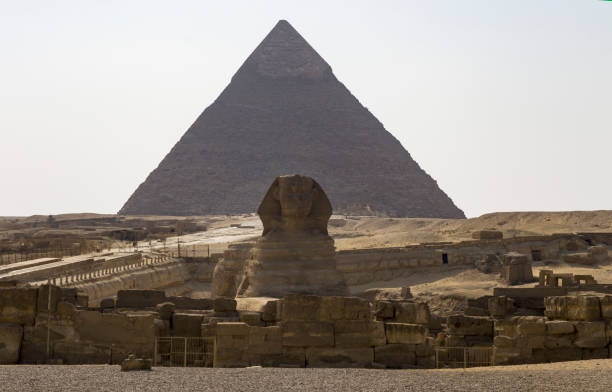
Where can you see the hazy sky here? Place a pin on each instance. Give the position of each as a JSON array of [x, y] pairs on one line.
[[506, 103]]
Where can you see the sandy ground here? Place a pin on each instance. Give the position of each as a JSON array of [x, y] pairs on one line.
[[594, 375]]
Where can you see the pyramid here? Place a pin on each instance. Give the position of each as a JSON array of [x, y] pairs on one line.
[[285, 112]]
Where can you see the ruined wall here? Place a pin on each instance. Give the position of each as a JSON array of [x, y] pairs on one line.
[[313, 331]]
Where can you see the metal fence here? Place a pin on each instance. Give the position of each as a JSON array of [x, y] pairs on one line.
[[457, 357], [183, 351]]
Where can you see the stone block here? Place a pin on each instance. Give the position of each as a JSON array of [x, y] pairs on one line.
[[559, 327], [270, 308], [119, 329], [359, 333], [297, 307], [503, 341], [594, 353], [232, 328], [224, 305], [469, 325], [384, 310], [10, 343], [65, 310], [265, 340], [191, 303], [307, 334], [78, 353], [583, 308], [500, 306], [293, 357], [344, 308], [405, 333], [132, 363], [107, 303], [412, 312], [43, 298], [557, 355], [556, 307], [591, 334], [252, 318], [396, 356], [165, 310], [606, 307], [186, 325], [140, 298], [18, 305], [334, 357], [559, 341], [531, 325], [230, 357]]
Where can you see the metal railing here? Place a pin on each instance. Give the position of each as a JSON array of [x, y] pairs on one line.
[[465, 357], [183, 351]]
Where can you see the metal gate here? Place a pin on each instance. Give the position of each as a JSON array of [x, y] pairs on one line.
[[456, 357], [183, 351]]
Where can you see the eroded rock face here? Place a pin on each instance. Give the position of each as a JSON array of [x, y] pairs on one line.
[[295, 254]]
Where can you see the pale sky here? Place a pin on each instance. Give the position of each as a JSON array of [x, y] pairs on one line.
[[506, 103]]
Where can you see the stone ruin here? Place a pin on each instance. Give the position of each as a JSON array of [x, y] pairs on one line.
[[516, 268], [295, 254]]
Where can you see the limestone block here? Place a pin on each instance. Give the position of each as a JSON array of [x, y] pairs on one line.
[[10, 343], [344, 308], [531, 325], [112, 328], [224, 305], [500, 306], [558, 327], [184, 324], [297, 307], [293, 357], [270, 308], [557, 355], [209, 330], [230, 356], [503, 341], [18, 305], [265, 340], [43, 297], [165, 310], [455, 341], [359, 333], [405, 333], [606, 307], [65, 310], [412, 312], [77, 353], [252, 318], [426, 349], [384, 310], [396, 356], [469, 325], [584, 308], [591, 334], [305, 334], [555, 307], [107, 303], [140, 298], [559, 341], [191, 303], [133, 363], [232, 328], [334, 357], [507, 355], [594, 353]]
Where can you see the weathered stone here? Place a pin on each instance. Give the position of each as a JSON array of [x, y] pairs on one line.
[[584, 308], [359, 333], [252, 318], [396, 356], [606, 307], [265, 340], [384, 310], [10, 343], [469, 325], [297, 307], [293, 357], [516, 268], [270, 308], [295, 254], [165, 310], [344, 308], [412, 312], [531, 325], [187, 325], [107, 303], [500, 306], [339, 357], [139, 298], [591, 334], [65, 310], [559, 341], [405, 333], [487, 235], [224, 305], [133, 363], [558, 327], [18, 305], [557, 355], [503, 341], [305, 334], [594, 353]]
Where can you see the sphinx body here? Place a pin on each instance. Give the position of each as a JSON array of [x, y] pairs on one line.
[[295, 254]]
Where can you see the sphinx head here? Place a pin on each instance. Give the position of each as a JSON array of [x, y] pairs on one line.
[[295, 194]]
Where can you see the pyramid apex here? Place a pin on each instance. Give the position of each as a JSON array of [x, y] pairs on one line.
[[285, 53]]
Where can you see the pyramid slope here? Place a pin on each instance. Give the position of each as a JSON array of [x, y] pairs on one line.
[[285, 112]]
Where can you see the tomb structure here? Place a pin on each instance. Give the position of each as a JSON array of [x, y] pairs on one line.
[[295, 254]]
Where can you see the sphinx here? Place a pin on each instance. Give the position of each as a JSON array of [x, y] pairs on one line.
[[295, 253]]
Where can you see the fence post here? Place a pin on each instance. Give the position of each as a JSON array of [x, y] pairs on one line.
[[185, 360], [155, 353], [49, 321], [464, 357]]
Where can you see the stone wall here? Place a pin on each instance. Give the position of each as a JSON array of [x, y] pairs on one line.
[[313, 331]]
